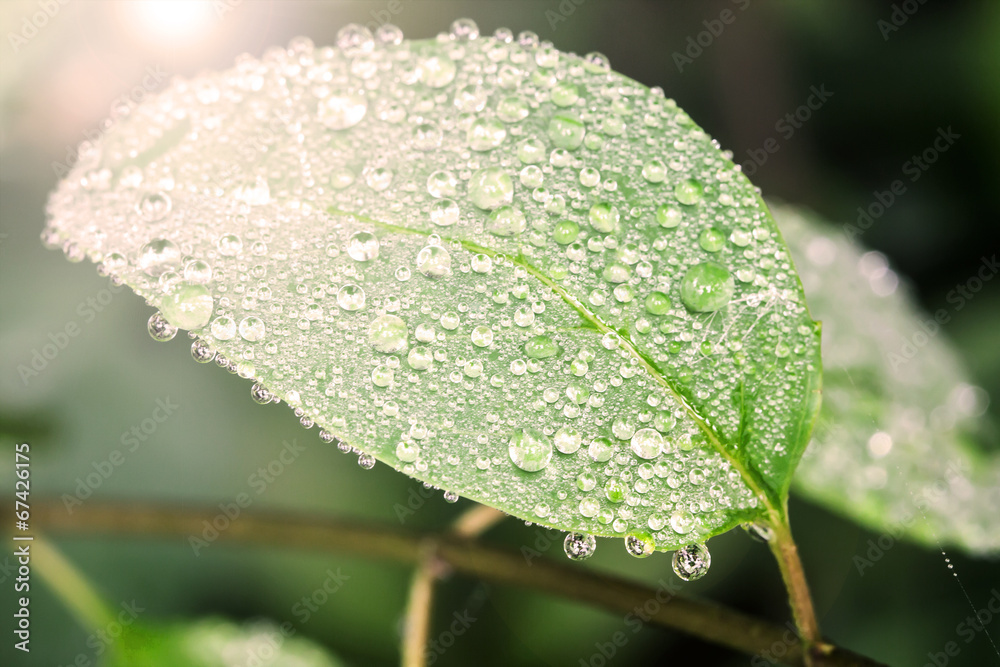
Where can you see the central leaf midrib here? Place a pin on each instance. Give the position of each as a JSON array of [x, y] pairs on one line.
[[750, 476]]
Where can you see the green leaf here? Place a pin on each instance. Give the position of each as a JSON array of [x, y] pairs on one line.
[[897, 446], [504, 270], [217, 643]]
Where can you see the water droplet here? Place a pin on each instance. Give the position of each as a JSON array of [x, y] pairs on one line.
[[464, 30], [366, 461], [640, 545], [382, 376], [668, 216], [565, 232], [692, 562], [434, 261], [202, 352], [565, 94], [442, 183], [541, 347], [343, 108], [389, 35], [654, 171], [579, 546], [688, 192], [351, 297], [223, 328], [252, 329], [444, 212], [531, 151], [485, 134], [491, 188], [530, 449], [601, 449], [506, 221], [657, 303], [712, 240], [261, 394], [707, 287], [388, 333], [596, 63], [355, 40], [154, 206], [481, 263], [188, 306], [159, 329], [436, 70], [426, 137], [158, 256], [647, 443], [568, 440], [513, 109], [407, 452], [482, 336], [681, 522], [566, 130], [604, 217], [362, 246]]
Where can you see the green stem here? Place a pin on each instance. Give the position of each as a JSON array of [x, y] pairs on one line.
[[70, 586], [787, 554], [416, 623], [707, 621]]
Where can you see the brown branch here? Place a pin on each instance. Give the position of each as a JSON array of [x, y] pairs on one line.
[[707, 621]]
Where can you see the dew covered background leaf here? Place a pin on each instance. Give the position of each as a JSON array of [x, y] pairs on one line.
[[900, 444], [217, 643], [502, 269]]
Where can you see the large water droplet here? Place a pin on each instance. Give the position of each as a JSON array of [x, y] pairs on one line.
[[444, 212], [343, 108], [692, 562], [159, 329], [707, 287], [362, 246], [566, 130], [485, 134], [530, 449], [640, 545], [689, 191], [387, 333], [490, 188], [541, 347], [434, 261], [153, 206], [647, 443], [158, 256], [604, 217], [436, 70], [351, 297], [506, 221], [188, 306], [252, 329], [568, 440], [355, 40], [579, 546]]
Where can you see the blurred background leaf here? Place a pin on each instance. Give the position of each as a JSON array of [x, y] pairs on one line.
[[889, 97]]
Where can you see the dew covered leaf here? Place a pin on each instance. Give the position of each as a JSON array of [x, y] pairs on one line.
[[898, 444], [215, 642], [504, 270]]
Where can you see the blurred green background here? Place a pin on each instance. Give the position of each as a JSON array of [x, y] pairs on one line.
[[891, 91]]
